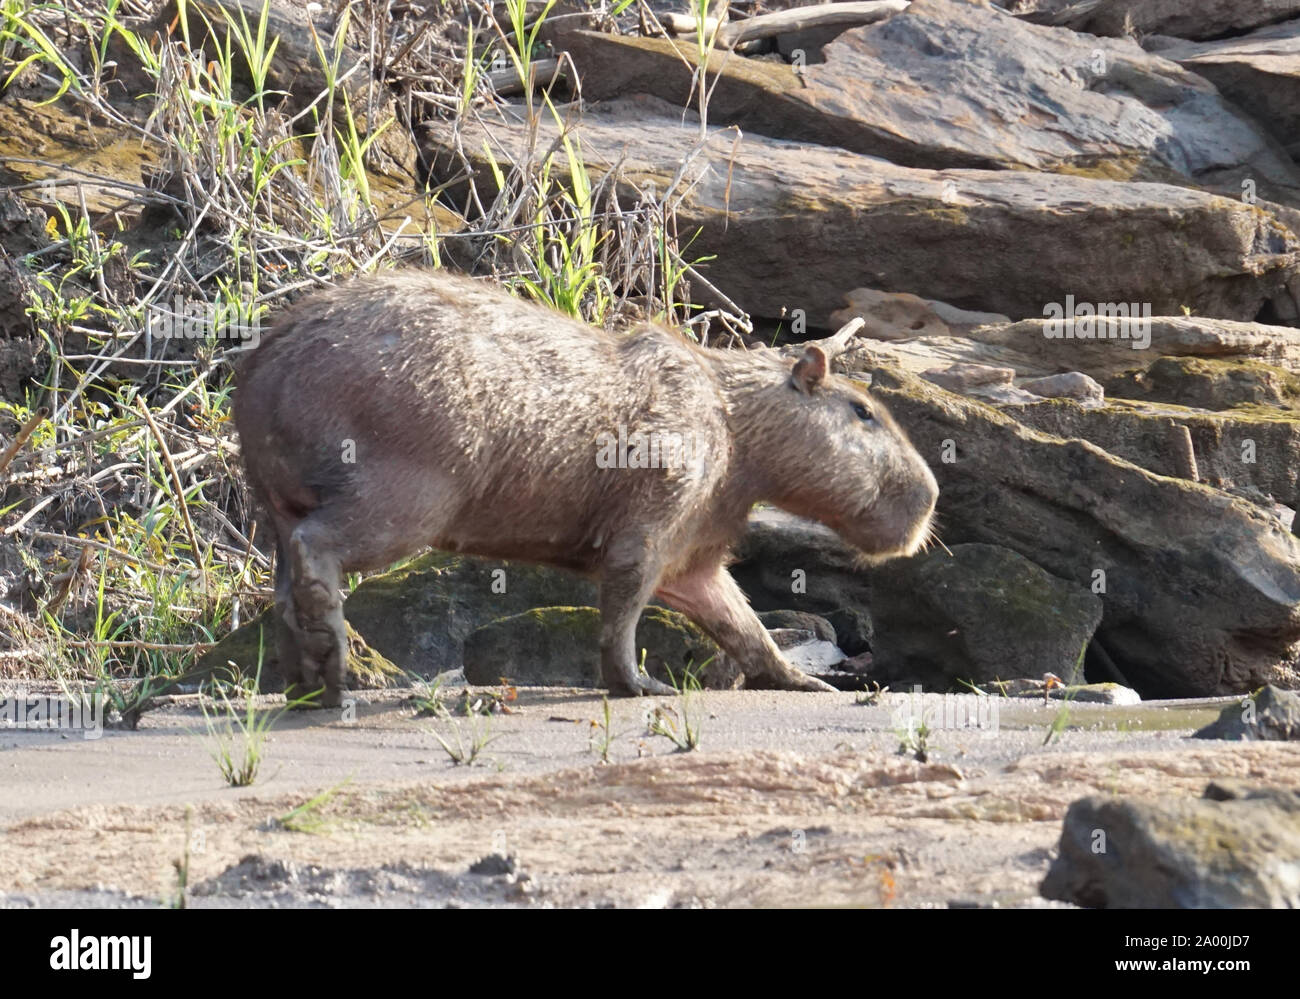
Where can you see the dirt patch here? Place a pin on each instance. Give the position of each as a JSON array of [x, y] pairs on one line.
[[796, 799]]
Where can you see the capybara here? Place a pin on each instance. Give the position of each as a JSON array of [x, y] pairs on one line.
[[419, 408]]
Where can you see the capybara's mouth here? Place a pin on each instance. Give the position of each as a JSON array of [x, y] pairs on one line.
[[881, 538]]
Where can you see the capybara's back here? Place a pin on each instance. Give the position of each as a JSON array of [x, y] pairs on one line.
[[418, 408], [416, 401]]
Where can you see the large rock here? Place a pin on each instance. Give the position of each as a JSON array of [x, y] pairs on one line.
[[1111, 346], [790, 620], [890, 315], [955, 83], [983, 381], [1180, 853], [416, 617], [1268, 714], [976, 613], [918, 355], [560, 646], [1115, 350], [1208, 383], [788, 563], [420, 615], [1068, 385], [1201, 590], [855, 222], [1259, 71], [1182, 18], [1239, 449]]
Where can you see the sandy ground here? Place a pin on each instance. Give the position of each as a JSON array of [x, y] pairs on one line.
[[792, 799]]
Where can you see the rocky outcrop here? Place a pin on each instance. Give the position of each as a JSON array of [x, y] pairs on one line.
[[1102, 350], [1209, 383], [1201, 591], [1238, 449], [954, 83], [1229, 850], [1260, 72], [973, 614], [856, 222], [1268, 714], [1182, 18]]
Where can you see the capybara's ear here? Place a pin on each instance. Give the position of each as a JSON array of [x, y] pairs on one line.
[[810, 369]]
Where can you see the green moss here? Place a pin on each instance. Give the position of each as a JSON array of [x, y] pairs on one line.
[[563, 619], [939, 211], [366, 667], [1234, 385]]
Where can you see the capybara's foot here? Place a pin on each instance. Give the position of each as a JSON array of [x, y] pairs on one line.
[[805, 682], [302, 696], [638, 685], [790, 680], [330, 698]]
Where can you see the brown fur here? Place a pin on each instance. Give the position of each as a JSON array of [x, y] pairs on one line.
[[475, 419]]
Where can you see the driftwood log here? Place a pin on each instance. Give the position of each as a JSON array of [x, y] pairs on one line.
[[782, 22]]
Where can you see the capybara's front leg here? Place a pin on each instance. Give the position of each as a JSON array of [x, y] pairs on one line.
[[318, 627], [625, 586], [713, 600]]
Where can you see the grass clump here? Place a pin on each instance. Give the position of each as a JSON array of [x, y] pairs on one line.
[[682, 725]]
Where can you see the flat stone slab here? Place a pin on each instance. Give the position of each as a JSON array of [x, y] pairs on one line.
[[946, 84], [1007, 241]]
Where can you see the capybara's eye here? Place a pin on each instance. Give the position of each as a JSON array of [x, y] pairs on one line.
[[863, 413]]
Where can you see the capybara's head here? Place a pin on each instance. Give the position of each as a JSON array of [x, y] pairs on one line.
[[845, 462]]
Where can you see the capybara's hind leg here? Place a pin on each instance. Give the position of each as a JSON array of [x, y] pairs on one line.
[[624, 589], [317, 628], [286, 640]]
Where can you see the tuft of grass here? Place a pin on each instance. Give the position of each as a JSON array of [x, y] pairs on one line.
[[430, 699], [467, 747], [1062, 719], [602, 734], [914, 737], [238, 746], [306, 818], [871, 696], [180, 899], [915, 741], [683, 726]]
